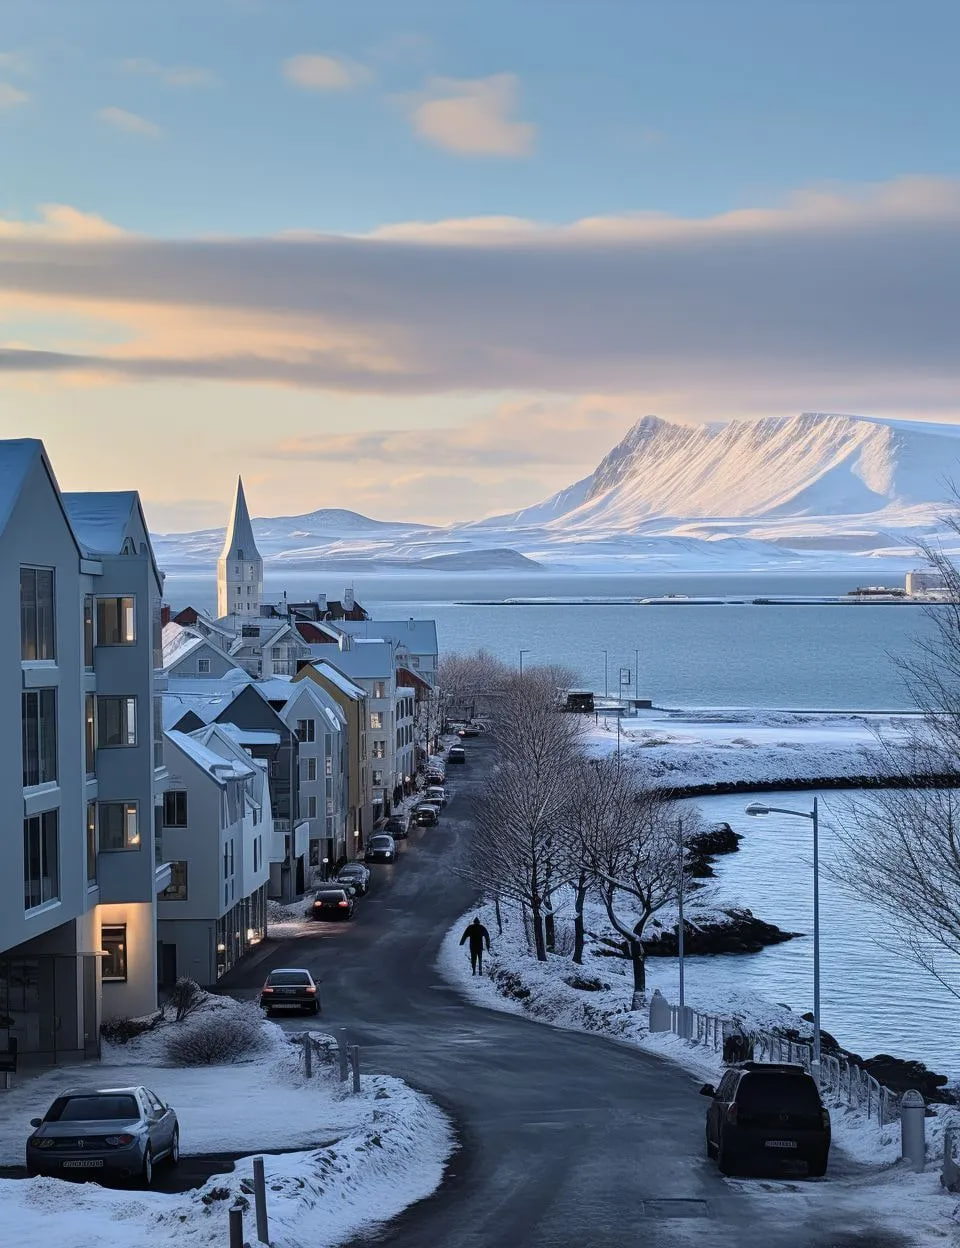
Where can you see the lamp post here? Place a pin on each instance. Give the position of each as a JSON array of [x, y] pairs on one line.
[[606, 682], [759, 808], [680, 866], [522, 653]]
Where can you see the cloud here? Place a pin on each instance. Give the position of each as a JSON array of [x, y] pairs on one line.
[[170, 75], [130, 123], [322, 72], [14, 62], [833, 300], [472, 116], [10, 96]]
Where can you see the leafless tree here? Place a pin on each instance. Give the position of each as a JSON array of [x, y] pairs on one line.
[[466, 681]]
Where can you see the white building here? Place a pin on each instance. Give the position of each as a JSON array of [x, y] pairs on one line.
[[218, 830], [240, 568], [78, 895], [925, 581]]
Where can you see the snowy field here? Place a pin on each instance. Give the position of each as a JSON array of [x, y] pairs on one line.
[[870, 1176], [360, 1159], [691, 746]]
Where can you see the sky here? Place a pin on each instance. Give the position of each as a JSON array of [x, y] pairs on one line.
[[431, 260]]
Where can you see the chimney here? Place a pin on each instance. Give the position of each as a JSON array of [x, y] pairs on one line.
[[164, 614], [345, 641], [322, 603], [348, 601]]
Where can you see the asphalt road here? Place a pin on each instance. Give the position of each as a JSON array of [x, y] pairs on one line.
[[566, 1140]]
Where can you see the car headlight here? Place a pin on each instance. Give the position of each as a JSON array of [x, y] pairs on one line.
[[118, 1141], [36, 1141]]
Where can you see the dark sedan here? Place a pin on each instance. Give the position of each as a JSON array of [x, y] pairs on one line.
[[104, 1133], [333, 903], [287, 988], [381, 848]]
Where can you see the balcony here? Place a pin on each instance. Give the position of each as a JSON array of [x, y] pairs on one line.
[[161, 876]]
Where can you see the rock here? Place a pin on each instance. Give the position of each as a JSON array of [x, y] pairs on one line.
[[900, 1075], [705, 846], [585, 984], [739, 932]]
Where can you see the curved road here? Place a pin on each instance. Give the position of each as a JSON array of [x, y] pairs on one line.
[[566, 1140]]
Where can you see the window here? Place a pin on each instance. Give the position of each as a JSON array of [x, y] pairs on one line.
[[379, 689], [329, 790], [41, 859], [119, 825], [38, 711], [311, 807], [239, 556], [379, 749], [249, 630], [91, 842], [37, 625], [378, 779], [306, 730], [116, 721], [310, 769], [175, 808], [176, 890], [376, 719], [113, 942], [158, 730], [115, 622], [90, 734], [203, 667], [256, 853], [88, 631]]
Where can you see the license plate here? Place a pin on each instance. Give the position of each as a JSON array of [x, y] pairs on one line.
[[88, 1163], [287, 991], [781, 1144]]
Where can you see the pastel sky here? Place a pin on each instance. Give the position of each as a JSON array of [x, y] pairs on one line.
[[431, 259]]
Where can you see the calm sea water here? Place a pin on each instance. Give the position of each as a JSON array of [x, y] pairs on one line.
[[831, 657]]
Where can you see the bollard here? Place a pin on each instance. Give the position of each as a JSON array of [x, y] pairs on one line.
[[913, 1146], [236, 1227], [260, 1200], [950, 1174], [342, 1046], [307, 1055], [355, 1063], [659, 1012], [685, 1022]]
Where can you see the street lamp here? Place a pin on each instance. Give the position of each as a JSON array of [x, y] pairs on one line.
[[606, 682], [760, 809], [522, 653]]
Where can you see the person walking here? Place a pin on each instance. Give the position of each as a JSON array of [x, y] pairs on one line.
[[478, 937]]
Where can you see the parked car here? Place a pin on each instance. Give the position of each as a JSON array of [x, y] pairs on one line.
[[456, 754], [398, 826], [427, 815], [767, 1113], [469, 730], [356, 872], [290, 988], [434, 776], [381, 848], [333, 903], [436, 795], [104, 1132]]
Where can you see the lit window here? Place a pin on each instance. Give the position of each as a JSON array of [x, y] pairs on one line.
[[116, 622], [113, 941], [119, 825]]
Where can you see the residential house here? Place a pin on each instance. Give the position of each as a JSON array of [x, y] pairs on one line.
[[190, 654]]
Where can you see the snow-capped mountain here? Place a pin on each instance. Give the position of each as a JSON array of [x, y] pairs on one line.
[[746, 494]]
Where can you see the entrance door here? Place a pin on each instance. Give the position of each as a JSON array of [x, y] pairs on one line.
[[167, 964]]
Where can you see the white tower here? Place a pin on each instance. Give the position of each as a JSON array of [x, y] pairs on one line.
[[240, 568]]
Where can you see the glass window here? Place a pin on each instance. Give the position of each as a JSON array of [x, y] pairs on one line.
[[203, 667], [119, 825], [157, 731], [306, 730], [88, 631], [91, 842], [311, 807], [38, 709], [379, 689], [113, 942], [116, 625], [176, 890], [90, 734], [379, 749], [156, 631], [116, 721], [37, 624], [41, 859], [376, 719], [175, 808]]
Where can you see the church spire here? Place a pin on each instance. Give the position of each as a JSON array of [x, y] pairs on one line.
[[239, 568]]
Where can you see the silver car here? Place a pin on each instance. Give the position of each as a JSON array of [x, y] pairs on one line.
[[93, 1133]]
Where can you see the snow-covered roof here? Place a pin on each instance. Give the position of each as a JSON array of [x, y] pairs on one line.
[[419, 636], [374, 659], [205, 698], [100, 520], [178, 642], [276, 688], [337, 678], [250, 736], [215, 765], [17, 457]]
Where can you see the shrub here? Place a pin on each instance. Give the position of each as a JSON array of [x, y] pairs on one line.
[[122, 1030], [187, 997], [217, 1037]]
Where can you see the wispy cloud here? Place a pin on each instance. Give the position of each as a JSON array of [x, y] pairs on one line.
[[14, 62], [130, 123], [472, 116], [170, 75], [318, 71], [11, 96]]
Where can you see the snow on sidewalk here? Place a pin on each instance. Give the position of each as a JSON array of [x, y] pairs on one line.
[[870, 1178], [379, 1152]]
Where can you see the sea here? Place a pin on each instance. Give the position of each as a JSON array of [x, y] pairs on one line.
[[685, 654]]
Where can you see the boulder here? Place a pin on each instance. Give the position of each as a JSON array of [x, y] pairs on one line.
[[740, 931]]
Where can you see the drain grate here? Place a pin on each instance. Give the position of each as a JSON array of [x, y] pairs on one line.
[[675, 1209]]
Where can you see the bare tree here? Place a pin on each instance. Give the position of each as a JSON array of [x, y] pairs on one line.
[[468, 680]]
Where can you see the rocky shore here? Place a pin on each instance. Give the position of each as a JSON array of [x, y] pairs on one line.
[[738, 931]]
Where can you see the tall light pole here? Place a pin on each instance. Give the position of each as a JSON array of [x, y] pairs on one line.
[[636, 674], [606, 682], [680, 866], [759, 808], [522, 653]]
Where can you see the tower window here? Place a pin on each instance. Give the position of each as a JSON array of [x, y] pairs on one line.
[[239, 556]]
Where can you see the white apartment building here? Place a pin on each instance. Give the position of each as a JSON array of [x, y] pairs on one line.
[[218, 831], [78, 897]]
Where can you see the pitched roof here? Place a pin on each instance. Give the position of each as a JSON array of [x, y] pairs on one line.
[[419, 636], [338, 679], [17, 457], [239, 531], [370, 659], [215, 765], [100, 520]]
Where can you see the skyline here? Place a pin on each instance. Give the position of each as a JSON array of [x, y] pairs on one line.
[[423, 269]]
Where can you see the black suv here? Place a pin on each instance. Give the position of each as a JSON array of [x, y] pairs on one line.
[[765, 1114]]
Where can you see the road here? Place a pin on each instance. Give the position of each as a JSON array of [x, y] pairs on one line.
[[566, 1140]]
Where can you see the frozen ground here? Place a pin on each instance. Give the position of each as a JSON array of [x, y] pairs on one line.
[[869, 1175], [361, 1160], [691, 746]]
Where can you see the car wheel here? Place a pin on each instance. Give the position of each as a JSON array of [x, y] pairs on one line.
[[725, 1157], [817, 1167], [146, 1170], [316, 1008], [175, 1148]]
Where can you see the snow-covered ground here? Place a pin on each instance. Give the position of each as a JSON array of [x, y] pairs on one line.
[[361, 1159], [703, 746], [514, 981]]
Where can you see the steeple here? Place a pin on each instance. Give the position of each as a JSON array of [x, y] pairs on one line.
[[240, 568]]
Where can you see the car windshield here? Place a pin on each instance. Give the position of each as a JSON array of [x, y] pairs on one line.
[[787, 1094], [380, 842], [353, 868], [288, 977], [331, 894], [86, 1108]]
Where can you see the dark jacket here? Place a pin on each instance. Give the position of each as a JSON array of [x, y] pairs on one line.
[[478, 936]]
